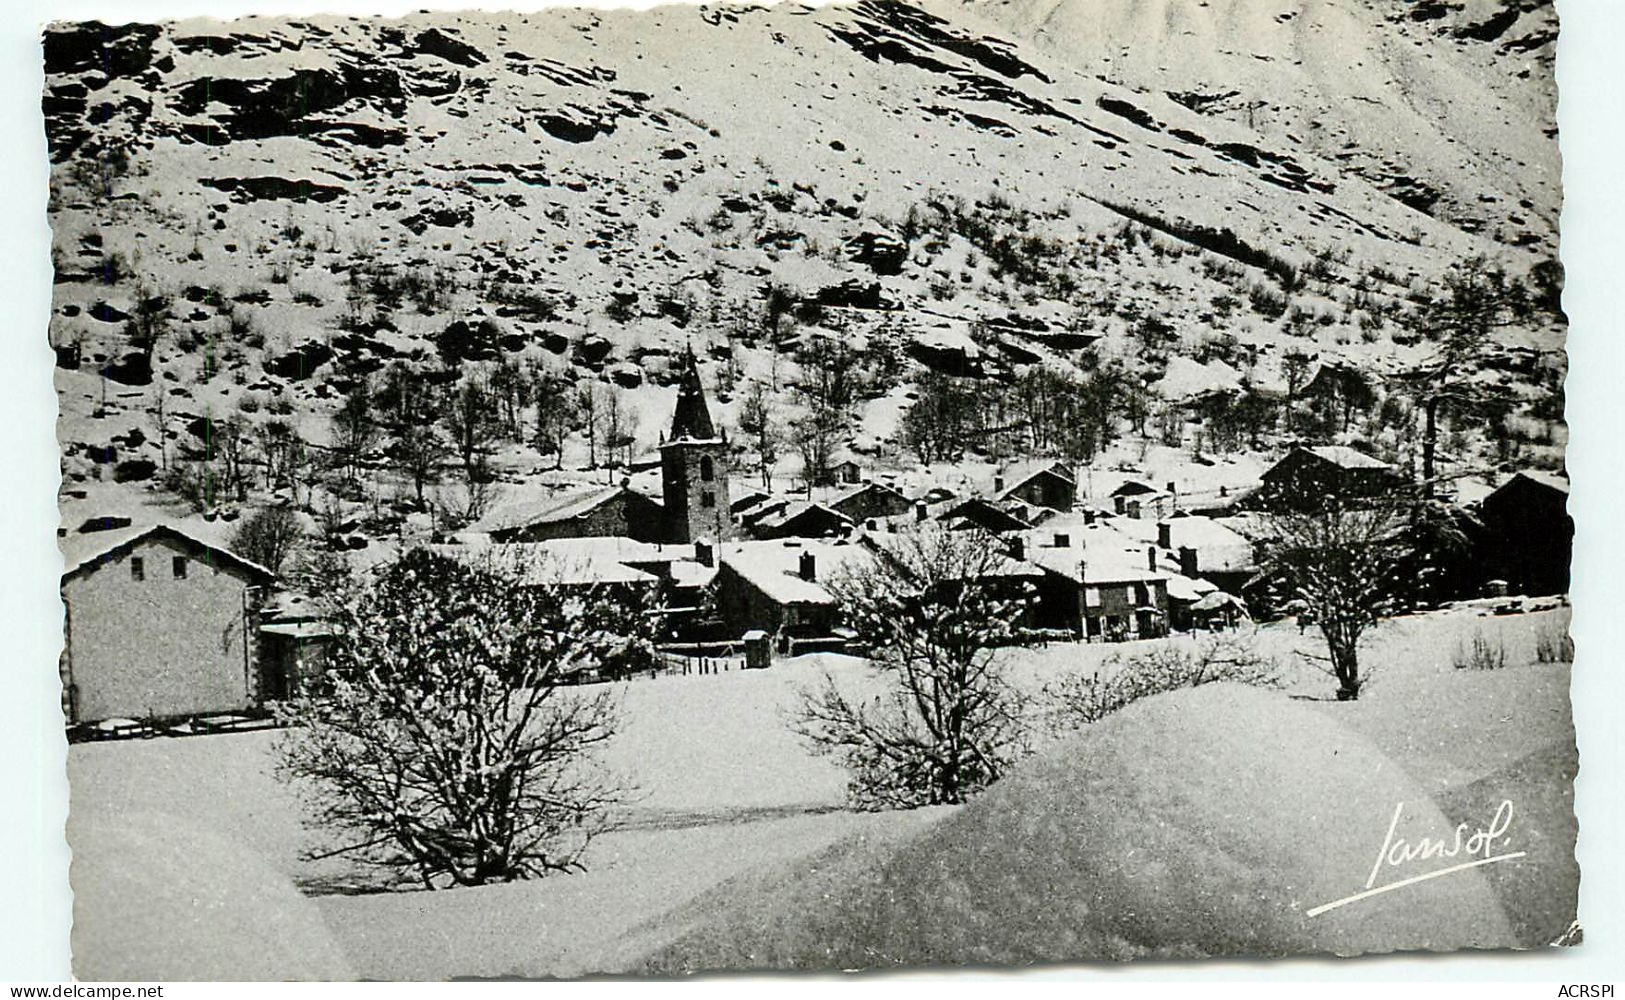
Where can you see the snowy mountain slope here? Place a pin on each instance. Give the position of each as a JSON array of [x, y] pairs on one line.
[[605, 186], [1450, 107]]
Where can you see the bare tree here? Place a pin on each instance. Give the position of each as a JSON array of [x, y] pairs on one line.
[[443, 743], [620, 429], [827, 389], [354, 432], [589, 410], [1340, 561], [472, 423], [758, 425], [932, 607], [268, 536], [408, 405], [555, 414]]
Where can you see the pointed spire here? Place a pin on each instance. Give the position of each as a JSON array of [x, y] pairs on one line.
[[692, 418]]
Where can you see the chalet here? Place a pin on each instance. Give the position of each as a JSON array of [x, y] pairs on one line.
[[1529, 535], [159, 624], [802, 520], [1098, 585], [984, 514], [844, 470], [1053, 486], [1308, 478], [776, 587], [576, 513], [871, 500]]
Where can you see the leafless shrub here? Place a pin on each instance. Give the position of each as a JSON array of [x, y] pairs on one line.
[[1480, 653], [1553, 644], [1083, 698]]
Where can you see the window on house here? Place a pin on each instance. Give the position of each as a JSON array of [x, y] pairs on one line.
[[1141, 597], [1062, 540], [177, 567], [138, 568], [708, 470], [708, 499]]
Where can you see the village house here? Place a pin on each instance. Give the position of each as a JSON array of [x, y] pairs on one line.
[[1050, 485], [777, 587], [804, 519], [159, 625], [871, 501], [1529, 535], [1308, 478], [1098, 586], [984, 514], [589, 512], [843, 470]]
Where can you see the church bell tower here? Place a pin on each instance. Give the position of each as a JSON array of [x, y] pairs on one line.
[[694, 467]]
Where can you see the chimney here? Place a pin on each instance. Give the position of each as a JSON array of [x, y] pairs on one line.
[[1088, 518], [1119, 503], [1018, 547], [998, 484], [1165, 534], [1173, 488], [809, 566], [1151, 558], [920, 511], [1187, 561], [872, 524], [1223, 491], [704, 554]]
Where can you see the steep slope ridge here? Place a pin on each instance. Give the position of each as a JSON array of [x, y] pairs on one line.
[[1449, 107], [311, 199]]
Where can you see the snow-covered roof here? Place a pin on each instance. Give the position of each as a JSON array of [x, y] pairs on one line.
[[1183, 588], [1548, 479], [799, 509], [1346, 457], [1219, 548], [547, 563], [547, 509], [1094, 553], [82, 551], [774, 567], [1187, 378]]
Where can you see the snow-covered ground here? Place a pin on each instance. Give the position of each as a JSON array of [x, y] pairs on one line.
[[727, 790]]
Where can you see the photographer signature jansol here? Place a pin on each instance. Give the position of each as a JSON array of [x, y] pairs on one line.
[[1399, 859]]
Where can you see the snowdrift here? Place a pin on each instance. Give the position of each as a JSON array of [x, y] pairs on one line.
[[1205, 822], [198, 906]]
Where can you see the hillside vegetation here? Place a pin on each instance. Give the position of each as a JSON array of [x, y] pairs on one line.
[[375, 267]]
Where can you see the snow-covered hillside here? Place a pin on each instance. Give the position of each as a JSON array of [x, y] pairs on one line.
[[289, 206]]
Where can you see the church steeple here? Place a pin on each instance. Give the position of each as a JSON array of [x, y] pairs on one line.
[[692, 419], [694, 466]]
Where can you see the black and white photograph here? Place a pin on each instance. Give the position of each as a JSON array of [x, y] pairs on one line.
[[871, 486]]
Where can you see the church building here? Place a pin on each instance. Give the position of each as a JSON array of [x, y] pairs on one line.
[[694, 467]]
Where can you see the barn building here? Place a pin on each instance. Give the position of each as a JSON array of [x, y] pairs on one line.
[[1529, 533], [158, 625], [1310, 477], [590, 512]]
